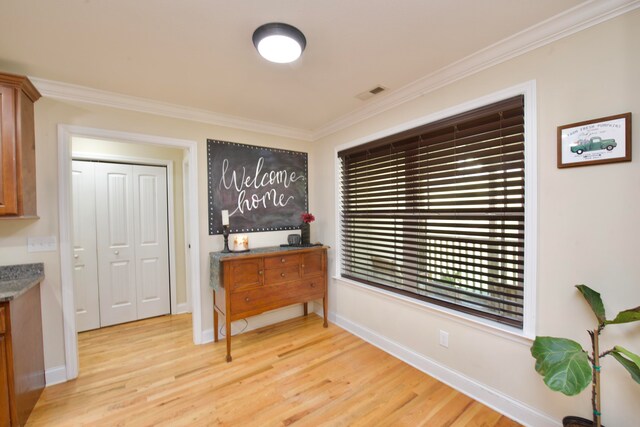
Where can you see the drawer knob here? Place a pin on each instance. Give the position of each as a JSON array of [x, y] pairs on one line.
[[260, 272], [247, 299], [282, 260], [302, 265], [313, 285], [281, 274]]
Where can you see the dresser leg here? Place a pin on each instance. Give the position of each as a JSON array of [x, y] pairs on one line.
[[306, 308], [324, 312], [215, 319], [215, 325], [228, 331]]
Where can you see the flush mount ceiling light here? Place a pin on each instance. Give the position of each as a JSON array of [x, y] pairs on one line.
[[278, 42]]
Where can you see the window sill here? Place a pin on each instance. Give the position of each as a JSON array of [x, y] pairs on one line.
[[487, 326]]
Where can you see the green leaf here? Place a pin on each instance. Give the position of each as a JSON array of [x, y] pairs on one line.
[[626, 316], [563, 364], [631, 363], [594, 300]]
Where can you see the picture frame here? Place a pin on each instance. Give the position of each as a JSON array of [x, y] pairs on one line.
[[260, 188], [594, 142]]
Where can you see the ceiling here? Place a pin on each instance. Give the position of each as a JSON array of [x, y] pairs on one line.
[[199, 53]]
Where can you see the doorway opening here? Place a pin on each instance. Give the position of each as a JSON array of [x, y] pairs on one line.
[[79, 143], [125, 251]]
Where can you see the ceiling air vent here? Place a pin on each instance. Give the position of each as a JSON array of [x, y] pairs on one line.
[[368, 94]]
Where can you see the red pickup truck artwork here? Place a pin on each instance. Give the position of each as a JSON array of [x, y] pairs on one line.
[[593, 144]]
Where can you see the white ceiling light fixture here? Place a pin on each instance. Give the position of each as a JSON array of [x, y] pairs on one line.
[[278, 42]]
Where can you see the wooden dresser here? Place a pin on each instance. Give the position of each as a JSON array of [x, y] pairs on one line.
[[269, 278]]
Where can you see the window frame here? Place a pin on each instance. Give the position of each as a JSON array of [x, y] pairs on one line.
[[528, 89]]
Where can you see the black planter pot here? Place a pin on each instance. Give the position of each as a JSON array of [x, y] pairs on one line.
[[577, 422]]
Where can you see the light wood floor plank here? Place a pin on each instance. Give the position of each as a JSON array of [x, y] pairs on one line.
[[295, 373]]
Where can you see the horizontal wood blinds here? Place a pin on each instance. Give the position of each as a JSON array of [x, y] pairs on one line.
[[437, 212]]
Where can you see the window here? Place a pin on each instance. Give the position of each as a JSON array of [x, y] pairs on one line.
[[437, 212]]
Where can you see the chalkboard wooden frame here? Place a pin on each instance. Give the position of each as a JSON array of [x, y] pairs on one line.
[[264, 189]]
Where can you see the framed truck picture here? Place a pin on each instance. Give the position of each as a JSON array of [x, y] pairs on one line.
[[593, 142]]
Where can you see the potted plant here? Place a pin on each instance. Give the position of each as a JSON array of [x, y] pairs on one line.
[[305, 229], [569, 369]]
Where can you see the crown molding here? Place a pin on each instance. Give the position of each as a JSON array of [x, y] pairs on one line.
[[75, 93], [555, 28]]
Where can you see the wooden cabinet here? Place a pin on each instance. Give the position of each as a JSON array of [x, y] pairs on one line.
[[255, 283], [17, 147], [21, 357]]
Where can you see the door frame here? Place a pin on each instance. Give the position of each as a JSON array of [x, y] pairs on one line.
[[65, 135], [82, 156]]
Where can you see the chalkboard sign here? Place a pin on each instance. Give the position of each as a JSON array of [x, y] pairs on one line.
[[264, 189]]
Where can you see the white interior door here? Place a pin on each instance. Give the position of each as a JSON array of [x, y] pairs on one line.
[[151, 240], [85, 259], [116, 241]]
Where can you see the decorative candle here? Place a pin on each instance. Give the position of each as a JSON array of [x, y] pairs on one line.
[[225, 217], [240, 242]]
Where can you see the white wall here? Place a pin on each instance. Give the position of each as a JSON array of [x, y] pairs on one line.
[[588, 226], [14, 233]]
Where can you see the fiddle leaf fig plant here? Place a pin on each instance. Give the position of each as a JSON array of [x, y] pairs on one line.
[[568, 368]]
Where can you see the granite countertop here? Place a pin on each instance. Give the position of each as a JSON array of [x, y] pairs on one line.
[[18, 279]]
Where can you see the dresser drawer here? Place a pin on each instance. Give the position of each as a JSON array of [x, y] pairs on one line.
[[270, 297], [281, 275], [281, 261]]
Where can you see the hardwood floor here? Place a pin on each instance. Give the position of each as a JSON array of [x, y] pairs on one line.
[[296, 372]]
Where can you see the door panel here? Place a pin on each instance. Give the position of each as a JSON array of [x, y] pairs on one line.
[[8, 183], [151, 241], [116, 259], [85, 260]]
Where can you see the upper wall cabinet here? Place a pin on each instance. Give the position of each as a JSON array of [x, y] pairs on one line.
[[17, 147]]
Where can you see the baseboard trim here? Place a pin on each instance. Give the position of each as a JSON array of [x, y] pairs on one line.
[[55, 375], [256, 322], [488, 396], [183, 308]]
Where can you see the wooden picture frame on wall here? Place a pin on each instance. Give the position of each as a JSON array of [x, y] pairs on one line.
[[595, 142]]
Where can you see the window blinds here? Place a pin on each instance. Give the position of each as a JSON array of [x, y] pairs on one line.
[[437, 212]]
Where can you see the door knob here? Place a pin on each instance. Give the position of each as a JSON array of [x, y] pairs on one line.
[[76, 256], [116, 252]]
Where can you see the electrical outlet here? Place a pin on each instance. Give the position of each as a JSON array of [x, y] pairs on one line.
[[42, 244], [444, 339]]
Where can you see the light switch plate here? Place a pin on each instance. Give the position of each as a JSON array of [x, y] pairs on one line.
[[42, 244]]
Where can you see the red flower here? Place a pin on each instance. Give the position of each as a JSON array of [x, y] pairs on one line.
[[307, 217]]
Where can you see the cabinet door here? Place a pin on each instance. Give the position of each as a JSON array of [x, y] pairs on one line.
[[5, 419], [151, 240], [8, 183], [116, 260], [312, 263], [85, 258], [244, 274]]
